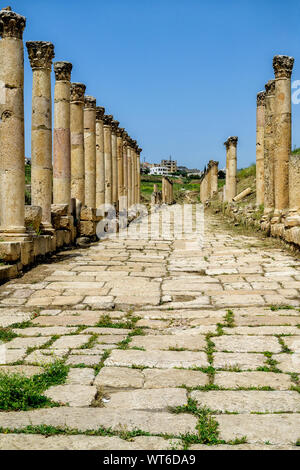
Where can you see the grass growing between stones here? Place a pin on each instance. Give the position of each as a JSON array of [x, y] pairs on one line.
[[18, 392], [6, 334]]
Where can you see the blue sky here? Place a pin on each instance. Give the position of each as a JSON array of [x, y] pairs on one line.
[[180, 75]]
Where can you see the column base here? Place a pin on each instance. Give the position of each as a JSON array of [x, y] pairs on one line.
[[292, 219], [47, 228], [16, 234]]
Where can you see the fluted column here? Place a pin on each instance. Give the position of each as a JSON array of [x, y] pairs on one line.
[[260, 129], [120, 165], [41, 55], [12, 163], [90, 150], [114, 158], [100, 164], [107, 119], [269, 135], [77, 142], [283, 66], [62, 135], [133, 171], [125, 168], [231, 168]]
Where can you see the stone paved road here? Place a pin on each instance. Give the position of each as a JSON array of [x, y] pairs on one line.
[[150, 325]]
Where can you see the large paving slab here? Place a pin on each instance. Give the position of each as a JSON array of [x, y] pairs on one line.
[[145, 323]]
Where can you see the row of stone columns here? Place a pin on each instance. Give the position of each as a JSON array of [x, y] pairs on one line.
[[209, 181], [278, 170], [94, 160]]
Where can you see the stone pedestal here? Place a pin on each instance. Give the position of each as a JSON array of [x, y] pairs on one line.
[[283, 66], [114, 160], [77, 142], [41, 55], [12, 164], [107, 119], [100, 164], [62, 136], [269, 132], [231, 168], [260, 128], [90, 151]]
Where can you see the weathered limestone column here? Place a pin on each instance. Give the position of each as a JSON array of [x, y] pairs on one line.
[[114, 158], [208, 176], [100, 164], [41, 55], [269, 134], [139, 151], [62, 135], [12, 163], [120, 166], [107, 119], [231, 167], [125, 168], [133, 169], [129, 171], [90, 150], [77, 142], [283, 66], [214, 178], [260, 129]]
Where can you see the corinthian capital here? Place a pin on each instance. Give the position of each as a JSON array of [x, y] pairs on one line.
[[77, 92], [99, 113], [107, 119], [233, 140], [90, 102], [270, 87], [40, 54], [260, 98], [63, 71], [12, 25], [283, 66], [114, 126]]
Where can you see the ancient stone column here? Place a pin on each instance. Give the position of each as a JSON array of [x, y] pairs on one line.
[[107, 119], [129, 172], [12, 162], [125, 168], [41, 55], [231, 167], [214, 178], [260, 129], [90, 150], [208, 176], [62, 135], [120, 165], [269, 133], [100, 164], [283, 66], [114, 158], [139, 151], [77, 142], [133, 169]]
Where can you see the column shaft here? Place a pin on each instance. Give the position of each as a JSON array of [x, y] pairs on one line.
[[231, 168], [120, 165], [41, 55], [269, 133], [77, 142], [283, 66], [114, 162], [90, 151], [12, 162], [61, 136], [107, 159], [129, 175], [260, 129], [125, 169], [100, 163]]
